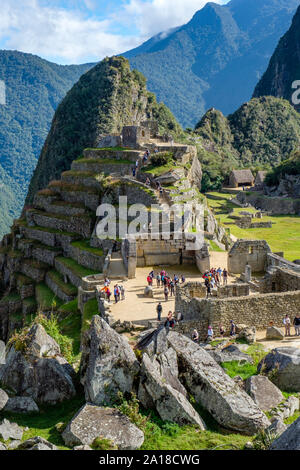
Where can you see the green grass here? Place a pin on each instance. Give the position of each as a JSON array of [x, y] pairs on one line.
[[46, 298], [104, 161], [90, 309], [44, 423], [158, 170], [246, 370], [68, 288], [214, 246], [12, 297], [76, 268], [85, 246], [283, 236]]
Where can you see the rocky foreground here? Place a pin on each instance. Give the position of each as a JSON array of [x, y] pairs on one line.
[[168, 371]]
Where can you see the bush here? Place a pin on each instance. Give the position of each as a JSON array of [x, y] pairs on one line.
[[52, 328], [131, 409]]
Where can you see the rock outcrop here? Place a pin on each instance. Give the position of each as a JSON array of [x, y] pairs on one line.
[[230, 353], [21, 405], [170, 404], [290, 439], [36, 369], [284, 366], [2, 352], [3, 399], [93, 422], [207, 382], [10, 430], [274, 333], [108, 364], [36, 443], [265, 394]]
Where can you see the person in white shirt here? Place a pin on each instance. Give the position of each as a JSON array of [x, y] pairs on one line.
[[287, 325]]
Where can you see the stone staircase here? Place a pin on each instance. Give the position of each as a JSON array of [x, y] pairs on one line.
[[116, 268]]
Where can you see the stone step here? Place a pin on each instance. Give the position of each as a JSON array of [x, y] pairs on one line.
[[24, 285], [48, 236], [87, 256], [72, 271], [86, 176], [82, 224], [69, 192], [38, 251], [103, 166], [46, 298], [33, 269], [116, 268], [64, 291], [112, 154], [29, 305], [58, 206]]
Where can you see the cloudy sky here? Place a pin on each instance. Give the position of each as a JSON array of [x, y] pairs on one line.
[[78, 31]]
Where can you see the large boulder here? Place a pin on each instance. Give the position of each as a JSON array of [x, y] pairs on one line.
[[274, 333], [286, 409], [289, 439], [207, 382], [265, 394], [148, 292], [283, 365], [10, 430], [2, 446], [93, 422], [36, 369], [108, 364], [36, 443], [229, 354], [277, 427], [3, 399], [154, 342], [248, 334], [170, 404], [21, 405]]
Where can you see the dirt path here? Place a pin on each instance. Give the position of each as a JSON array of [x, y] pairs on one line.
[[290, 341]]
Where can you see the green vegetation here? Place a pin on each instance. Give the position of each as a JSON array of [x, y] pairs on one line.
[[290, 166], [90, 309], [46, 299], [85, 246], [245, 370], [76, 268], [283, 237], [58, 279], [53, 329]]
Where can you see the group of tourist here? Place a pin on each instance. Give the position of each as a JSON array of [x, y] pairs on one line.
[[163, 279], [118, 291], [214, 279], [210, 332], [287, 325], [172, 318]]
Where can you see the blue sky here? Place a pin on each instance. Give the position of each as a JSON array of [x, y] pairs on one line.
[[78, 31]]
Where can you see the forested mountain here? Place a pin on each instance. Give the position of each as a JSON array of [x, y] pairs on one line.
[[216, 59], [33, 89], [284, 67], [105, 99]]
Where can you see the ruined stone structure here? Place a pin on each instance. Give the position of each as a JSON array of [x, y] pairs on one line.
[[252, 252]]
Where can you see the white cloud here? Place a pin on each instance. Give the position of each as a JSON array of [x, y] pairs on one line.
[[72, 36]]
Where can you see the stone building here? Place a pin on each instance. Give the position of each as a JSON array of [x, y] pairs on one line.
[[135, 136], [251, 252], [240, 178]]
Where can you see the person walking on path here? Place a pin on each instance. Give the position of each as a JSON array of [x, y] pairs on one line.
[[287, 325], [172, 288], [232, 328], [122, 289], [166, 292], [116, 294], [158, 279], [296, 324], [159, 311], [225, 277]]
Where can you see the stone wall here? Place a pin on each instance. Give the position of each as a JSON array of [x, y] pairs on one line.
[[87, 259], [275, 205], [252, 252], [281, 280]]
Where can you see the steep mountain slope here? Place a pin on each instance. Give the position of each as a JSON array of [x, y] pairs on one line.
[[260, 134], [33, 89], [104, 100], [216, 58], [284, 66]]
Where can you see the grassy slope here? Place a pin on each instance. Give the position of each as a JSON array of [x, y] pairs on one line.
[[284, 235]]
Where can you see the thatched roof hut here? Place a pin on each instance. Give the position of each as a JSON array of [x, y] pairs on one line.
[[239, 178]]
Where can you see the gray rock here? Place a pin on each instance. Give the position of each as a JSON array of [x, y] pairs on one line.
[[148, 292], [108, 364], [289, 439], [14, 445], [265, 394], [168, 367], [207, 382], [2, 446], [10, 431], [85, 447], [277, 427], [21, 405], [274, 333], [248, 334], [286, 409], [39, 371], [170, 404], [284, 366], [230, 353], [3, 399], [93, 422], [154, 342], [37, 443], [2, 352]]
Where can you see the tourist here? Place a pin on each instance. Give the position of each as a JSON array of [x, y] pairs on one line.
[[210, 334], [159, 311], [225, 277], [287, 325], [148, 182], [133, 172], [296, 324], [116, 294], [122, 290], [166, 293], [108, 294], [137, 164], [195, 336], [172, 288], [175, 279], [149, 280], [232, 328], [158, 279], [182, 279], [222, 331]]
